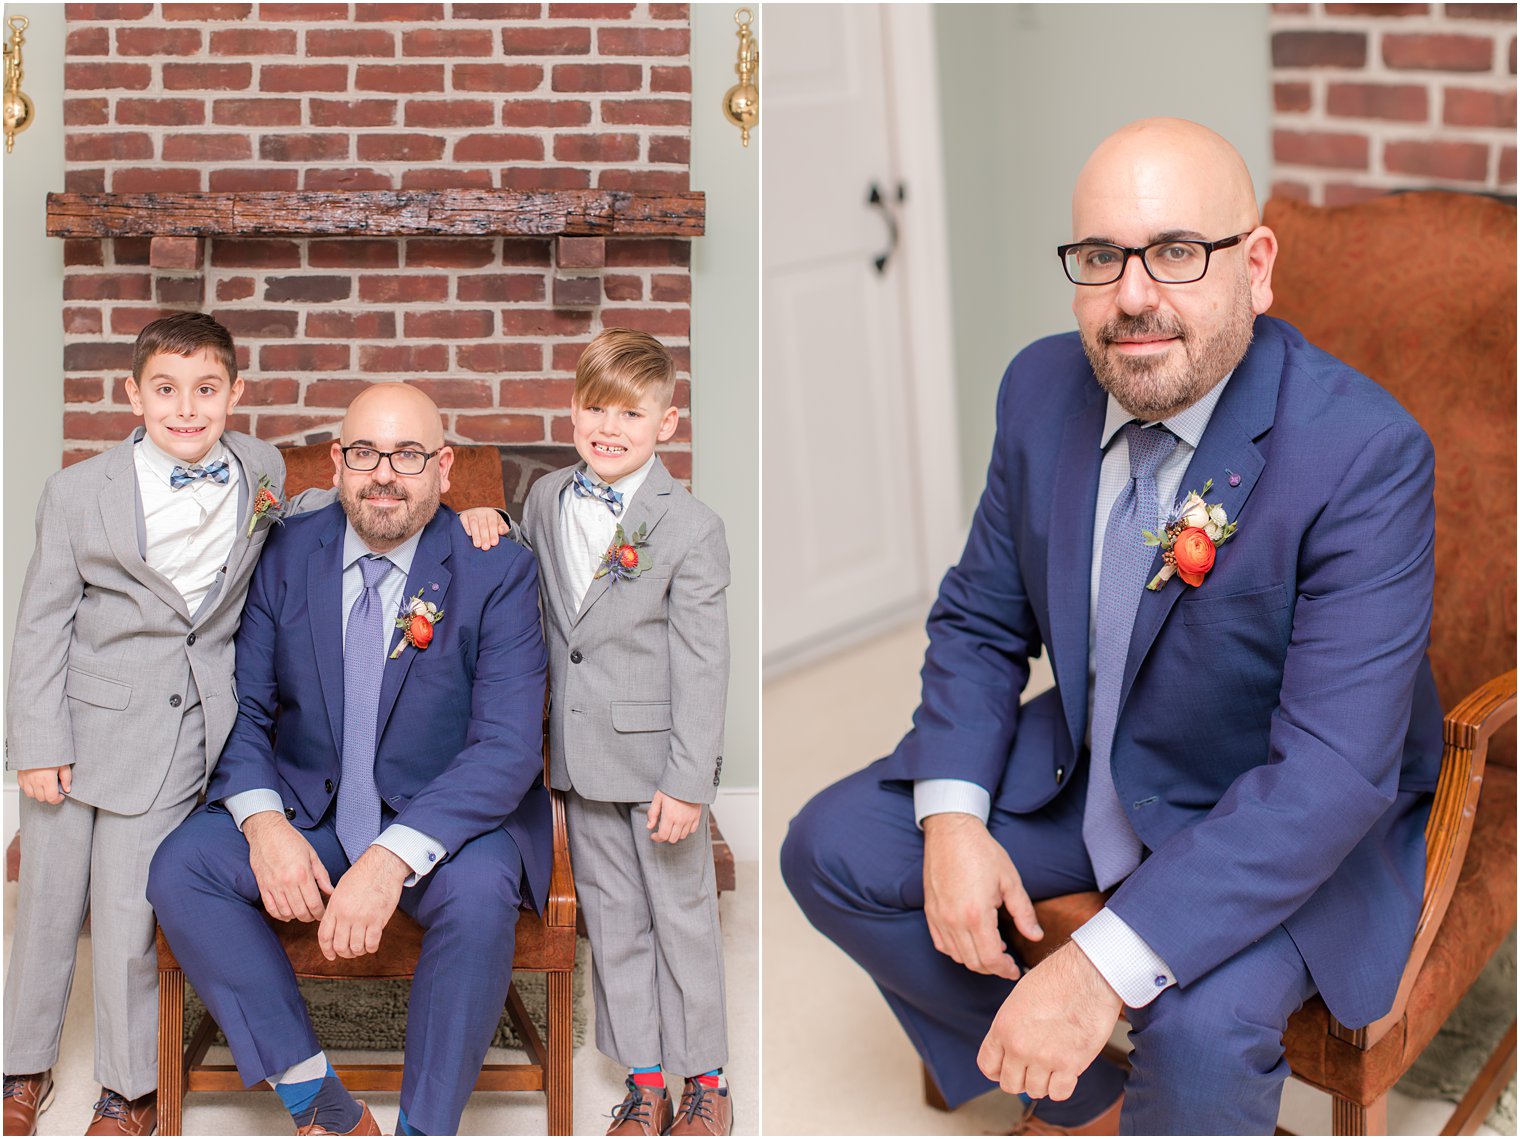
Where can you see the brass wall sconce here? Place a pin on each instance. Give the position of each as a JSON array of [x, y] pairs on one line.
[[19, 111], [741, 103]]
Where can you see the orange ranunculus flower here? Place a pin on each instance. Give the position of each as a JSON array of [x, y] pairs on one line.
[[421, 632], [1194, 551]]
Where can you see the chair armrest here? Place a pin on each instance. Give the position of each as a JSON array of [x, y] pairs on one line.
[[560, 910], [1465, 733]]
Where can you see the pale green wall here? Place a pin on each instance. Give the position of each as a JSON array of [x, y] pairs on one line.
[[33, 291], [1021, 111], [725, 360]]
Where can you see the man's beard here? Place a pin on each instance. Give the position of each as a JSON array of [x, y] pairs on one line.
[[377, 527], [1153, 388]]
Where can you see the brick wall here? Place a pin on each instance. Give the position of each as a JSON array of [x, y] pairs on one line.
[[325, 96], [1374, 97]]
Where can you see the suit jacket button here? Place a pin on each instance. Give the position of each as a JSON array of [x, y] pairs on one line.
[[290, 813], [327, 786], [1060, 774], [190, 640], [575, 657], [175, 701]]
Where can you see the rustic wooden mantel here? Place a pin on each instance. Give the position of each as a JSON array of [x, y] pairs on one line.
[[379, 213]]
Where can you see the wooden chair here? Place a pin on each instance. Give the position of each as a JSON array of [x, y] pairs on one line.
[[544, 944], [1418, 292]]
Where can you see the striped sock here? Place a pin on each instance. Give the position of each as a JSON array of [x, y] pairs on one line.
[[651, 1077], [712, 1079], [404, 1126]]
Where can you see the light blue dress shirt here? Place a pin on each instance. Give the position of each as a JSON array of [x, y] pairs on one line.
[[417, 850], [1134, 970]]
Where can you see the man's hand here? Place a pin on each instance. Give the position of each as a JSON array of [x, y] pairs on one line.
[[676, 818], [484, 526], [291, 877], [1051, 1027], [967, 875], [46, 784], [362, 904]]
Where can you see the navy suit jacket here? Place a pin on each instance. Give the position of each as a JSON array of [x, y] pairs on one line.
[[459, 740], [1279, 730]]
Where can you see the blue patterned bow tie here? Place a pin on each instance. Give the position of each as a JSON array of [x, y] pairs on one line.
[[585, 488], [184, 476]]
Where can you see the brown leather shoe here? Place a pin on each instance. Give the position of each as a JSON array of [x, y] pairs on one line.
[[703, 1111], [27, 1097], [1106, 1123], [644, 1111], [365, 1126], [115, 1114]]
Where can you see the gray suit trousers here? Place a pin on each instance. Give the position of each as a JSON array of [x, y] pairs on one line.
[[76, 857], [651, 912]]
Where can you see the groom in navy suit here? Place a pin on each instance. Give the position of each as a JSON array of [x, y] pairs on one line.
[[371, 768], [1243, 755]]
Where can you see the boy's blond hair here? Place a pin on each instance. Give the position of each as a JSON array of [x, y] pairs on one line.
[[620, 367], [184, 334]]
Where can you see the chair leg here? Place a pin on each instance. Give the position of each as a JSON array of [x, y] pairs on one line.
[[1348, 1118], [932, 1095], [557, 1078], [171, 1056], [1485, 1091]]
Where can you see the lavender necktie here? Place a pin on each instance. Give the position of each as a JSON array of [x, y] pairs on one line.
[[1111, 841], [363, 662]]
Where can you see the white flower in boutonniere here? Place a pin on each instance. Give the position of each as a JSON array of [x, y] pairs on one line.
[[1188, 539], [416, 622]]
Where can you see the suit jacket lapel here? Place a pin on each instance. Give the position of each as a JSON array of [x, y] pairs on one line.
[[1245, 413], [430, 575], [646, 509], [120, 506], [242, 544], [547, 547], [324, 609], [1073, 503]]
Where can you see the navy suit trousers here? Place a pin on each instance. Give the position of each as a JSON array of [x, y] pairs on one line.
[[207, 900], [1208, 1058]]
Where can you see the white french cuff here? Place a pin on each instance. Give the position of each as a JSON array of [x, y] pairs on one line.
[[942, 796], [1131, 967], [416, 849]]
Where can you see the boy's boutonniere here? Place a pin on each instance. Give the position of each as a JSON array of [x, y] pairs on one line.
[[416, 622], [265, 504], [1192, 533], [622, 559]]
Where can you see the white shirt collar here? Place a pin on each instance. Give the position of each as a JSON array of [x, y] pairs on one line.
[[401, 557], [629, 484], [161, 463], [1188, 424]]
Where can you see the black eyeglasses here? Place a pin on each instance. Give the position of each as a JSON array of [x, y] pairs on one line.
[[402, 462], [1171, 262]]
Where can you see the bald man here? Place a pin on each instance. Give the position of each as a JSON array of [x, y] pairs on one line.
[[1242, 755], [372, 767]]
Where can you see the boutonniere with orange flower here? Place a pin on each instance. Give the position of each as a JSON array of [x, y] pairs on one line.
[[266, 504], [1188, 539], [416, 622], [622, 560]]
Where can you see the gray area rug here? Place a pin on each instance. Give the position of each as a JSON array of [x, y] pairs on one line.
[[1462, 1047], [371, 1015]]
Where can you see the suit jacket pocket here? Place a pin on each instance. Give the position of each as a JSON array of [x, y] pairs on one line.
[[641, 716], [1253, 603], [97, 690]]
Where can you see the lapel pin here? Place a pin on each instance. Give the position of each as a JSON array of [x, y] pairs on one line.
[[433, 585], [1234, 478]]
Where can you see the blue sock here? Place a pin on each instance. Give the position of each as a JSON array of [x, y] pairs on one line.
[[404, 1127], [298, 1097]]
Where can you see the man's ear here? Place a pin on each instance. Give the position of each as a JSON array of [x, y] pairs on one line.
[[1261, 255], [337, 458], [668, 424], [445, 465]]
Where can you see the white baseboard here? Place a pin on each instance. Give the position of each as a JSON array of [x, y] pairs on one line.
[[738, 813]]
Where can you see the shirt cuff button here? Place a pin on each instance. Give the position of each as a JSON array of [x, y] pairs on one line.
[[434, 858], [1160, 982]]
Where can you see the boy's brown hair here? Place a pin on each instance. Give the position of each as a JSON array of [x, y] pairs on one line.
[[620, 367], [184, 334]]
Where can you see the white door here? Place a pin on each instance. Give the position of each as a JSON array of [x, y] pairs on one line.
[[857, 481]]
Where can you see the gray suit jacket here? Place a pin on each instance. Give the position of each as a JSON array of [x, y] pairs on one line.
[[637, 678], [105, 649]]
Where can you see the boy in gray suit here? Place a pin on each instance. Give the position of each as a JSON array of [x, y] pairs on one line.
[[633, 571], [120, 699]]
